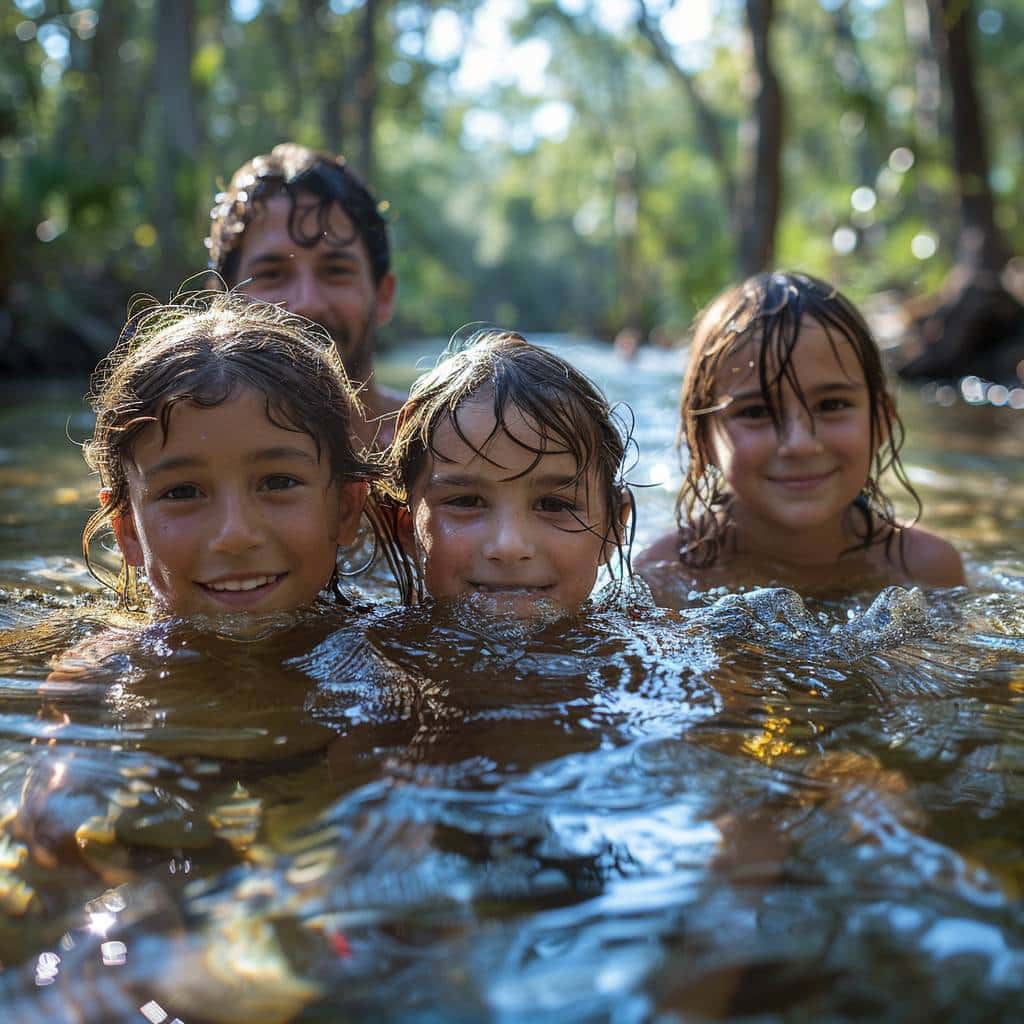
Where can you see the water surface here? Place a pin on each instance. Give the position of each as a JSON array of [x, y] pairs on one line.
[[763, 808]]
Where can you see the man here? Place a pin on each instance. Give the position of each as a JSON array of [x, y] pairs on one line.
[[297, 227]]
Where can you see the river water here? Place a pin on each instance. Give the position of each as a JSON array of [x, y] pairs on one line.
[[761, 809]]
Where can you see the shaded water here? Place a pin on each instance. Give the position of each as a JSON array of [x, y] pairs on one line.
[[759, 809]]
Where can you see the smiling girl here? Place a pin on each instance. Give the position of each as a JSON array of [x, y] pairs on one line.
[[789, 430], [226, 461]]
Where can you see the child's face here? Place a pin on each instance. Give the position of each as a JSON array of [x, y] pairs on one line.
[[233, 514], [807, 476], [520, 541]]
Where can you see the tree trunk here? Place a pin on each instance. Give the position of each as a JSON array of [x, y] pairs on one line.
[[173, 76], [975, 325], [752, 206], [365, 98], [104, 132], [981, 244], [760, 194], [178, 130]]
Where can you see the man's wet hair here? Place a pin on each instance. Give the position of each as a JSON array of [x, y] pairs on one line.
[[296, 172]]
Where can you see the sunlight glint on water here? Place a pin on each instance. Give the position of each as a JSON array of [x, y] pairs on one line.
[[766, 807]]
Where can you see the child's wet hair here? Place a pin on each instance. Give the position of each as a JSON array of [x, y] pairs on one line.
[[568, 411], [201, 349], [767, 312]]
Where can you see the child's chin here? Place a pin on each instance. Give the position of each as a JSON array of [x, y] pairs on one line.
[[241, 625]]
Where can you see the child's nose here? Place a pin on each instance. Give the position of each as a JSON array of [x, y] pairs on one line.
[[509, 539], [798, 436], [238, 528]]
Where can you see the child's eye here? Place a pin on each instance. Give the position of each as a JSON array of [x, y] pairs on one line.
[[180, 493], [464, 501], [834, 404], [280, 482], [551, 503], [757, 411]]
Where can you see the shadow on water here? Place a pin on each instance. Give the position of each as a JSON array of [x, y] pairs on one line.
[[764, 807]]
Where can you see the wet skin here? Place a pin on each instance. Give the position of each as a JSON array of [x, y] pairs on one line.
[[481, 528], [793, 487], [330, 283], [231, 513]]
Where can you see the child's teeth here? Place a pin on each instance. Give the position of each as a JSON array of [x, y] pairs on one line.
[[256, 581]]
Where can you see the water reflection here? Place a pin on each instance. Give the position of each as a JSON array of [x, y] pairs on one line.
[[767, 805]]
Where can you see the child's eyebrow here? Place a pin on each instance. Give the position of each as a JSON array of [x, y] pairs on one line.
[[757, 395], [281, 452], [550, 481], [557, 481], [176, 462], [453, 480]]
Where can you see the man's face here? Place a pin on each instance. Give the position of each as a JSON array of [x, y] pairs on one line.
[[330, 282]]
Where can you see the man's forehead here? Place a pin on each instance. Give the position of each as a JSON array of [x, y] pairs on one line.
[[305, 213]]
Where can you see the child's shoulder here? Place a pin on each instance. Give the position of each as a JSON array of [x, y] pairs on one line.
[[93, 659], [661, 567], [931, 560], [664, 549]]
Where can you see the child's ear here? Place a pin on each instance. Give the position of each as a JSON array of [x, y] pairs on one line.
[[351, 502], [123, 525], [621, 531]]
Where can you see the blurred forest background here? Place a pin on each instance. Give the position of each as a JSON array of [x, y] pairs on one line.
[[553, 165]]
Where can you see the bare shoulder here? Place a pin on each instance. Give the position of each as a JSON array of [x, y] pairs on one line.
[[664, 549], [660, 567], [931, 560], [80, 666]]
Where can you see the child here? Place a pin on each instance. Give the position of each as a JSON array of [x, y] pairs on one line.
[[225, 457], [507, 464], [228, 474], [790, 429]]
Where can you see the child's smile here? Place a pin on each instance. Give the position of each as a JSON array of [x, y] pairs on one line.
[[231, 512], [492, 518], [240, 592], [800, 480]]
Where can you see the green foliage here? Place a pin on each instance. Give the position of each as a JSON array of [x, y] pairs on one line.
[[108, 167]]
